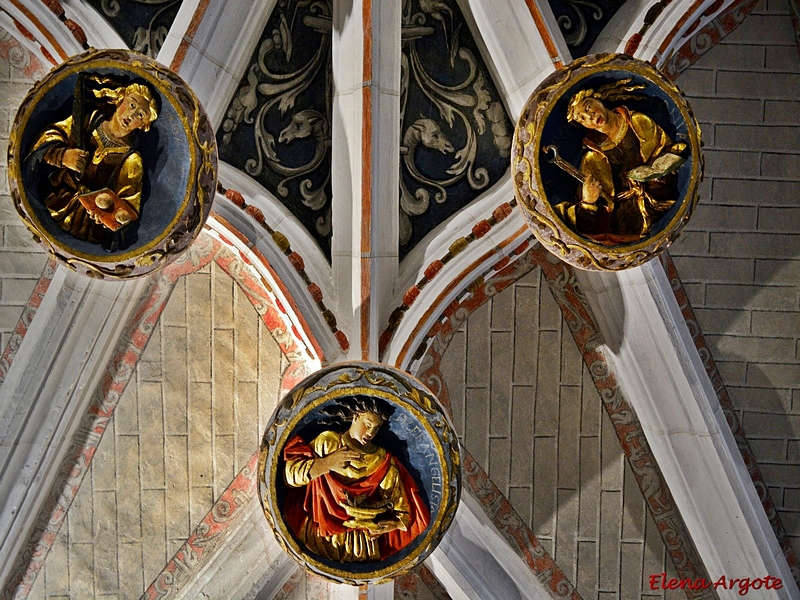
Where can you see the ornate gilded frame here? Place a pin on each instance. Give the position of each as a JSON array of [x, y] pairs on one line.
[[197, 162], [431, 428], [534, 193]]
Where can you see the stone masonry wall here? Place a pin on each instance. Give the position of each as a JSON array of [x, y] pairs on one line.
[[21, 259], [189, 420], [740, 255], [525, 406]]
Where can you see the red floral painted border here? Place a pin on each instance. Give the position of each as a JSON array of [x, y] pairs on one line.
[[480, 229], [501, 275], [492, 500], [19, 56], [414, 582], [272, 313], [562, 282], [30, 37], [514, 529], [295, 260], [105, 399], [209, 534], [658, 499], [707, 37]]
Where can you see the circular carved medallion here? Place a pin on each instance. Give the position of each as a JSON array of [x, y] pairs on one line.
[[607, 162], [359, 472], [112, 164]]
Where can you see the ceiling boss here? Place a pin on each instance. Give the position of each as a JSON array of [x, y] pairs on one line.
[[359, 473], [607, 162], [112, 164]]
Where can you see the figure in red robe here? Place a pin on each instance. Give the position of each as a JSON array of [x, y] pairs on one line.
[[348, 499]]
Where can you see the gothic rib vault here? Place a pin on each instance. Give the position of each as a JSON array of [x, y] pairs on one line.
[[629, 327]]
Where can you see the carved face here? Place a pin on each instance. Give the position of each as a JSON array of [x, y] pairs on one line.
[[591, 113], [131, 114], [365, 427]]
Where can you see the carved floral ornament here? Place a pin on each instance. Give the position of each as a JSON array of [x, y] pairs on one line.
[[112, 164], [143, 24], [581, 21], [607, 162], [359, 473]]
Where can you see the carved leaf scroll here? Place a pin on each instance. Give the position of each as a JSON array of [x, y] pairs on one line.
[[143, 24], [277, 128], [581, 21], [455, 132]]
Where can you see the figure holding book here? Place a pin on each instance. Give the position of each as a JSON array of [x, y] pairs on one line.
[[628, 169], [88, 167]]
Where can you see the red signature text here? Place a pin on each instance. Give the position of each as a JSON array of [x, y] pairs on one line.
[[743, 585]]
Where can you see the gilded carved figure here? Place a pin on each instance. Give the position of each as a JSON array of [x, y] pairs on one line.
[[359, 472], [88, 166], [112, 164], [348, 499], [628, 168], [628, 136]]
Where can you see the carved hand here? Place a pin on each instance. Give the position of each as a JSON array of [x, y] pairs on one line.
[[386, 526], [75, 159], [335, 461], [591, 190]]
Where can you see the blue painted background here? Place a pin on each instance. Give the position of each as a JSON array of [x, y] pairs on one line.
[[165, 155], [568, 137]]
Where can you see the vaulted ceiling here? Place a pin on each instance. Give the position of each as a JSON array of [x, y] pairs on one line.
[[365, 211]]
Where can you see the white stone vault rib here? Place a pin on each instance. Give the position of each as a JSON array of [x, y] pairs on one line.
[[47, 390], [661, 373], [365, 156], [516, 52], [54, 41], [725, 531], [663, 377], [473, 561]]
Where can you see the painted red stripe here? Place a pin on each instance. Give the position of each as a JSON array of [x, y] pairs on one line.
[[49, 36], [191, 31], [366, 180], [544, 32]]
